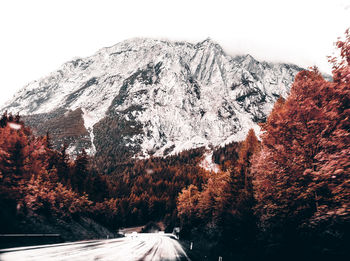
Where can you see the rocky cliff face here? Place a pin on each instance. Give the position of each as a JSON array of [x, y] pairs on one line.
[[146, 97]]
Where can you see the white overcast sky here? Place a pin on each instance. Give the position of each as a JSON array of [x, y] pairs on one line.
[[37, 36]]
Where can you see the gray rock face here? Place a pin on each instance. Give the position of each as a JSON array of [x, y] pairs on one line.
[[146, 97]]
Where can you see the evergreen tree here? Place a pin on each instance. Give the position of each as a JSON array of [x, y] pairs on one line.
[[80, 173]]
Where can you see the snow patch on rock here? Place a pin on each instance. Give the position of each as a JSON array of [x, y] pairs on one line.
[[208, 164]]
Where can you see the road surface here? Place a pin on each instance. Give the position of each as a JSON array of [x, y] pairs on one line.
[[132, 247]]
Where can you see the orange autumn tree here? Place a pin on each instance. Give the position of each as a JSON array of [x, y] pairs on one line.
[[17, 158], [187, 205], [224, 205], [302, 175], [32, 183], [235, 215], [237, 196]]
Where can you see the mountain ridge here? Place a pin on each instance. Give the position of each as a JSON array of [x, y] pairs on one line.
[[144, 97]]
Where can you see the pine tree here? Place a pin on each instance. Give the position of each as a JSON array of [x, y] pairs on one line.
[[80, 173]]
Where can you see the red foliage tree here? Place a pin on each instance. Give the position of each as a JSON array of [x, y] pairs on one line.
[[302, 173]]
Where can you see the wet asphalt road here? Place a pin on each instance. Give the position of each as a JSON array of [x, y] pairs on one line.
[[130, 248]]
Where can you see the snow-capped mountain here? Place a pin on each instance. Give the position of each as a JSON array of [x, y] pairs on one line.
[[146, 97]]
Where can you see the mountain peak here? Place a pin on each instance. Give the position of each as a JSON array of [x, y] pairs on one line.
[[249, 57], [208, 40]]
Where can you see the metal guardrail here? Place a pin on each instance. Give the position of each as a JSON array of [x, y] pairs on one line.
[[17, 240], [30, 235]]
